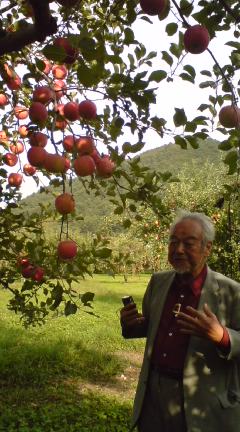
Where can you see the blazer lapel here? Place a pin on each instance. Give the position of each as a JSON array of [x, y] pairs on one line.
[[210, 293], [162, 288]]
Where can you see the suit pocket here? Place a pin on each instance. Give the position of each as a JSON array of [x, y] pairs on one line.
[[229, 399]]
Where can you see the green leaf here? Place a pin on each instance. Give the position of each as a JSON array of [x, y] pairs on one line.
[[190, 126], [233, 44], [179, 117], [181, 142], [175, 50], [203, 107], [186, 7], [225, 145], [190, 70], [206, 84], [103, 253], [87, 76], [158, 75], [87, 297], [127, 223], [132, 148], [167, 58], [187, 77], [54, 53], [70, 308], [231, 160], [193, 141], [118, 210], [129, 36], [40, 64], [206, 72], [171, 28]]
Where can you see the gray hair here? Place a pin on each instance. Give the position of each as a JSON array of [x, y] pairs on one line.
[[206, 223]]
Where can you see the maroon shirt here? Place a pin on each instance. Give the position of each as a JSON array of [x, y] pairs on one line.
[[170, 345]]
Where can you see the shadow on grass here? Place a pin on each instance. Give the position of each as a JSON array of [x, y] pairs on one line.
[[27, 361], [63, 409]]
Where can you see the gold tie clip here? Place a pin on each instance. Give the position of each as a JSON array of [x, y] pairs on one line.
[[176, 309]]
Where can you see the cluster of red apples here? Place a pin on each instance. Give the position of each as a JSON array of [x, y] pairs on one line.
[[196, 39], [80, 153], [51, 110], [30, 271]]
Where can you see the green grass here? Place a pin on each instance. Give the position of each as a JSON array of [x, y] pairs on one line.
[[44, 370]]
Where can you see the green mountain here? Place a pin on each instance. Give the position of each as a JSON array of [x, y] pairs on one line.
[[93, 208], [171, 157]]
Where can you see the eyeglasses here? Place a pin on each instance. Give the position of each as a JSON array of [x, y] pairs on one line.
[[187, 244]]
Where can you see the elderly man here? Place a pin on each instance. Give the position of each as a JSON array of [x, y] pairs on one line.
[[190, 376]]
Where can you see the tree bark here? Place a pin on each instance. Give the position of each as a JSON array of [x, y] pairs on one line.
[[44, 25]]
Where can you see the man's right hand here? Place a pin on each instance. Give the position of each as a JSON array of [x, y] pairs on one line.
[[129, 316]]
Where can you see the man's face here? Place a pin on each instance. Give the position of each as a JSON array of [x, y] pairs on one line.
[[187, 252]]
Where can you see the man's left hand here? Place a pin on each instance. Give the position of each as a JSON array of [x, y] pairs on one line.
[[200, 323]]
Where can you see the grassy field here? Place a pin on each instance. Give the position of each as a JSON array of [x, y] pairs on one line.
[[75, 373]]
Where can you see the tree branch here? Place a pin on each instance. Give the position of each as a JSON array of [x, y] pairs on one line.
[[44, 25], [230, 11]]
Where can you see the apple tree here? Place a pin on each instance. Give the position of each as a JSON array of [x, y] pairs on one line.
[[75, 84]]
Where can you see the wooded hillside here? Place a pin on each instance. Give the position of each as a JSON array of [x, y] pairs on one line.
[[94, 208]]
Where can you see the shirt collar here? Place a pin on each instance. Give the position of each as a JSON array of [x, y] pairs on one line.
[[195, 284]]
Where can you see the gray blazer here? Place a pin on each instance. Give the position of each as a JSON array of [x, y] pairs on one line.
[[211, 381]]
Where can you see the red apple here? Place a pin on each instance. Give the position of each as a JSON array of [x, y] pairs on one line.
[[84, 166], [23, 261], [67, 164], [105, 167], [10, 159], [15, 179], [229, 116], [3, 137], [54, 163], [67, 249], [36, 156], [87, 110], [85, 145], [17, 147], [153, 7], [37, 274], [59, 109], [3, 100], [14, 83], [95, 155], [65, 203], [59, 71], [43, 94], [196, 39], [23, 131], [10, 77], [70, 51], [29, 170], [60, 123], [27, 271], [59, 88], [38, 113], [48, 67], [20, 112], [69, 142], [70, 111], [38, 139]]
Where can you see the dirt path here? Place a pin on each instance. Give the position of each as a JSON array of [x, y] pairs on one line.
[[125, 383]]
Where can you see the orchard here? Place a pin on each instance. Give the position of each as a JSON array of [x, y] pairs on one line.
[[75, 82]]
